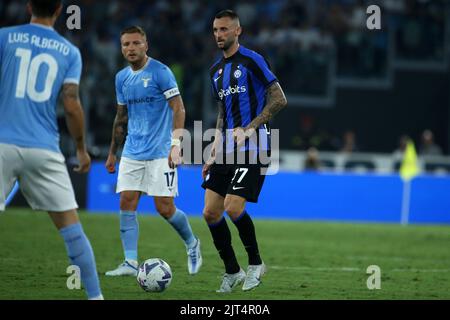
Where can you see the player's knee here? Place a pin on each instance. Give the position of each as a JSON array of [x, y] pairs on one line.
[[233, 209], [128, 202], [64, 219], [233, 213], [125, 204], [165, 210], [211, 216]]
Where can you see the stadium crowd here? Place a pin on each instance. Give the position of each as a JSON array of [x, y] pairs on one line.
[[298, 37]]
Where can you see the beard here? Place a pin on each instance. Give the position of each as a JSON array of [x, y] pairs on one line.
[[227, 44], [137, 61], [135, 58]]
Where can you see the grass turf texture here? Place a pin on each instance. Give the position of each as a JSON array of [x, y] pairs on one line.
[[306, 260]]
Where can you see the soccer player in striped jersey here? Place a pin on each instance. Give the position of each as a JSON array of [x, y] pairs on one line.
[[149, 106], [248, 96], [36, 64]]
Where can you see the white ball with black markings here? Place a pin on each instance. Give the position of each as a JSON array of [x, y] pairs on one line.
[[154, 275]]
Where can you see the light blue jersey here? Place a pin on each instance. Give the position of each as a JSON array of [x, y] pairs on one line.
[[145, 93], [35, 61]]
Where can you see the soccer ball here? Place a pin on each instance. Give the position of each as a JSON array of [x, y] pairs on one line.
[[154, 275]]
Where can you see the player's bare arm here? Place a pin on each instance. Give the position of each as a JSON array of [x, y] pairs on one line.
[[217, 139], [75, 123], [179, 116], [275, 101], [119, 129], [118, 136], [219, 128]]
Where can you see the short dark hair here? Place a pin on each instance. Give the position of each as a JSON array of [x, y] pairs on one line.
[[44, 8], [133, 29], [227, 13]]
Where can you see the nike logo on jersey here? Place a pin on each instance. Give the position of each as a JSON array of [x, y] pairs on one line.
[[237, 188], [215, 80]]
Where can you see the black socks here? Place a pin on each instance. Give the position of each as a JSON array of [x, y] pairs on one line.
[[222, 240], [247, 233]]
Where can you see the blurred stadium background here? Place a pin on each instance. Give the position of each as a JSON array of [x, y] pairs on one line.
[[355, 96]]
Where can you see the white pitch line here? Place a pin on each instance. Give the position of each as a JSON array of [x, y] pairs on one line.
[[376, 258], [350, 269], [346, 269], [421, 270]]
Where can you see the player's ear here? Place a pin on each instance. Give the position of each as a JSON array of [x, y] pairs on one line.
[[238, 31]]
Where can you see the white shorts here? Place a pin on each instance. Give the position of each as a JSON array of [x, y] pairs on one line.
[[42, 175], [153, 177]]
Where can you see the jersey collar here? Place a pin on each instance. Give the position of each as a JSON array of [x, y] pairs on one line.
[[234, 54], [140, 70]]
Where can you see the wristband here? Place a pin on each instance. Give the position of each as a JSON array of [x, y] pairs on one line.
[[175, 142]]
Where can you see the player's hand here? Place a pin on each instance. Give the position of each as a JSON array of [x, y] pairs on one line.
[[209, 162], [240, 135], [205, 170], [111, 163], [84, 161], [175, 157]]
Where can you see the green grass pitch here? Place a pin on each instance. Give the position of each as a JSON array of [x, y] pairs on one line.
[[306, 260]]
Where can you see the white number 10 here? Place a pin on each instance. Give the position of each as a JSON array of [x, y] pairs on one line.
[[28, 73]]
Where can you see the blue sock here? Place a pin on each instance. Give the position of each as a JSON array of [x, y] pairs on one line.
[[129, 233], [80, 253], [181, 224]]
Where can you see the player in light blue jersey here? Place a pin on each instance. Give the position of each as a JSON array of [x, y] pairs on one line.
[[36, 63], [149, 106]]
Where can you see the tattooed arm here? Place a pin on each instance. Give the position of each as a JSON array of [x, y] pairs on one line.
[[119, 129], [118, 136], [275, 101], [75, 123]]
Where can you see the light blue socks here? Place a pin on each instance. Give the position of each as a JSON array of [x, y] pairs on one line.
[[129, 233], [180, 223], [80, 253]]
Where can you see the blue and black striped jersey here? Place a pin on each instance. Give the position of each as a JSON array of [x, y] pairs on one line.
[[240, 82]]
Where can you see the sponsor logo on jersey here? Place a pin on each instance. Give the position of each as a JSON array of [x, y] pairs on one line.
[[231, 90], [139, 100]]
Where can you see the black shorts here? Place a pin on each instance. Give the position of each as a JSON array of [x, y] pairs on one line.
[[245, 180]]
